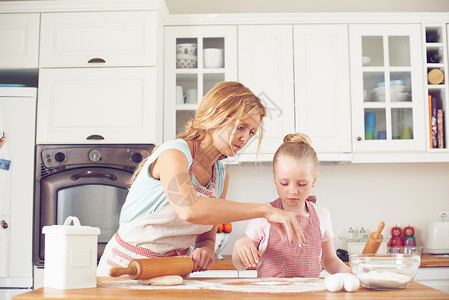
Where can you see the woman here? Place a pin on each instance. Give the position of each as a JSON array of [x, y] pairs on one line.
[[178, 195]]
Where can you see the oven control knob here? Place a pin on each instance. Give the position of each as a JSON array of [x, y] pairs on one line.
[[137, 157], [59, 157], [94, 155]]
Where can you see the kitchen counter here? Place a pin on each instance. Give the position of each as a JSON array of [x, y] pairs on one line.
[[413, 291], [427, 260]]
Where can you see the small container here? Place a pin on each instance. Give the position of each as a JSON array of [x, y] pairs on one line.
[[70, 255]]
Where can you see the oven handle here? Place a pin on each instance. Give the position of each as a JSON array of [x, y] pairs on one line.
[[93, 174]]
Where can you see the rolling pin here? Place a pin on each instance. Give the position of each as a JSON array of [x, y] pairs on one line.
[[374, 240], [146, 268]]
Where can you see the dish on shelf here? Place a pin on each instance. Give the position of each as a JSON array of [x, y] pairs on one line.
[[186, 48], [186, 61], [392, 83], [393, 89]]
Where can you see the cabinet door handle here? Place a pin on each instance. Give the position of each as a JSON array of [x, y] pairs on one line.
[[96, 60], [95, 137], [359, 138]]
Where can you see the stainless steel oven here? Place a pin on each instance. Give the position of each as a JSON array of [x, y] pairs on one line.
[[87, 181]]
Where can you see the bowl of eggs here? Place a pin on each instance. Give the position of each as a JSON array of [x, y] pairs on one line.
[[392, 270]]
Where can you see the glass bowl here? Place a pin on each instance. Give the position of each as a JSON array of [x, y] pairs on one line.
[[393, 270]]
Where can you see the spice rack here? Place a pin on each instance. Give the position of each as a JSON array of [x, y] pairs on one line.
[[436, 88]]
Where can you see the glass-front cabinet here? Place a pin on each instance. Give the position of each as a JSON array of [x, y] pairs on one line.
[[196, 58], [387, 88]]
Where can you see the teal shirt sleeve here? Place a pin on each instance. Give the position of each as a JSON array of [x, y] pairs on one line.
[[146, 195]]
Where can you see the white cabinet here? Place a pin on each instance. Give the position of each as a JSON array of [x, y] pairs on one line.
[[19, 36], [105, 105], [189, 77], [322, 89], [387, 88], [266, 67], [437, 278], [89, 39]]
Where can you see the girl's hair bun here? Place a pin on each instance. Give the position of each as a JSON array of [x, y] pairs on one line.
[[298, 138]]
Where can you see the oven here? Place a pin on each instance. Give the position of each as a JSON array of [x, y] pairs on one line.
[[87, 181]]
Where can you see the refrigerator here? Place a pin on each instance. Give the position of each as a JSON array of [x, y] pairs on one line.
[[17, 146]]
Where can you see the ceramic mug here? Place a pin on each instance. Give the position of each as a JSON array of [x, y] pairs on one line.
[[191, 96], [179, 95], [406, 133]]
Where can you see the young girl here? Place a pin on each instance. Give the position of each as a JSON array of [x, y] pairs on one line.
[[173, 202], [295, 166]]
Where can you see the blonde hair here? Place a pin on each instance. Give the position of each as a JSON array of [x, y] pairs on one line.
[[297, 146], [226, 102]]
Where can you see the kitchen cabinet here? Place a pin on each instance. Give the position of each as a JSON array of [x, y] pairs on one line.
[[19, 36], [387, 93], [99, 39], [185, 85], [266, 67], [437, 278], [98, 105], [322, 89]]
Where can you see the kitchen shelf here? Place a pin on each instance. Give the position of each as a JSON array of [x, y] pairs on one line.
[[435, 57]]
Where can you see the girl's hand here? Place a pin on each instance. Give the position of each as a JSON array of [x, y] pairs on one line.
[[287, 225], [202, 258], [246, 251]]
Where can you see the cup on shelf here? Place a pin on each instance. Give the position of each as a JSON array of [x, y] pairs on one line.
[[406, 133], [370, 125], [179, 95], [191, 96], [381, 135], [213, 58], [366, 60]]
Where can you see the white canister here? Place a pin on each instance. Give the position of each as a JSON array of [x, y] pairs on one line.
[[70, 255]]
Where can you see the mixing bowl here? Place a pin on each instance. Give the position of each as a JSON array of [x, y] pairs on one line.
[[393, 270]]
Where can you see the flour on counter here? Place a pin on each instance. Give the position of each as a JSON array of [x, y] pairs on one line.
[[385, 280], [243, 285]]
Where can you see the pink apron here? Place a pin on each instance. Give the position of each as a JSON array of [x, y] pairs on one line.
[[282, 259]]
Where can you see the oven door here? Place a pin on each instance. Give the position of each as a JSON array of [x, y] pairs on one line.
[[95, 195]]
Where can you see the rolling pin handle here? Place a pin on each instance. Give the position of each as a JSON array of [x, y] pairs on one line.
[[380, 227], [116, 272]]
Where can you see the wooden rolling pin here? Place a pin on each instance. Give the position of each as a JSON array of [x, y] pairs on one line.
[[147, 268], [374, 240]]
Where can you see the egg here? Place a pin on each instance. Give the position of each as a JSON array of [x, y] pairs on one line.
[[351, 283], [334, 283]]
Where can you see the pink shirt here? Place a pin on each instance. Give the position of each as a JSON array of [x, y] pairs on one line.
[[259, 229]]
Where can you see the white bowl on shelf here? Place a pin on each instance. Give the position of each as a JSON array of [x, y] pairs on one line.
[[186, 61], [213, 58], [186, 48], [400, 97]]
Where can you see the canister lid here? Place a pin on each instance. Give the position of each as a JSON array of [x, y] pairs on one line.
[[67, 229]]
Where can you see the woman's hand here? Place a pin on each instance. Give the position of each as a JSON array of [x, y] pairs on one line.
[[287, 225], [202, 258], [245, 250]]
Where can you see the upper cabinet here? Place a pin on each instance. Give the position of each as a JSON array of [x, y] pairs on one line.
[[196, 58], [322, 89], [101, 105], [387, 92], [96, 39], [266, 67], [19, 41]]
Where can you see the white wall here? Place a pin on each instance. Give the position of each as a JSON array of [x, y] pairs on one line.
[[357, 195]]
